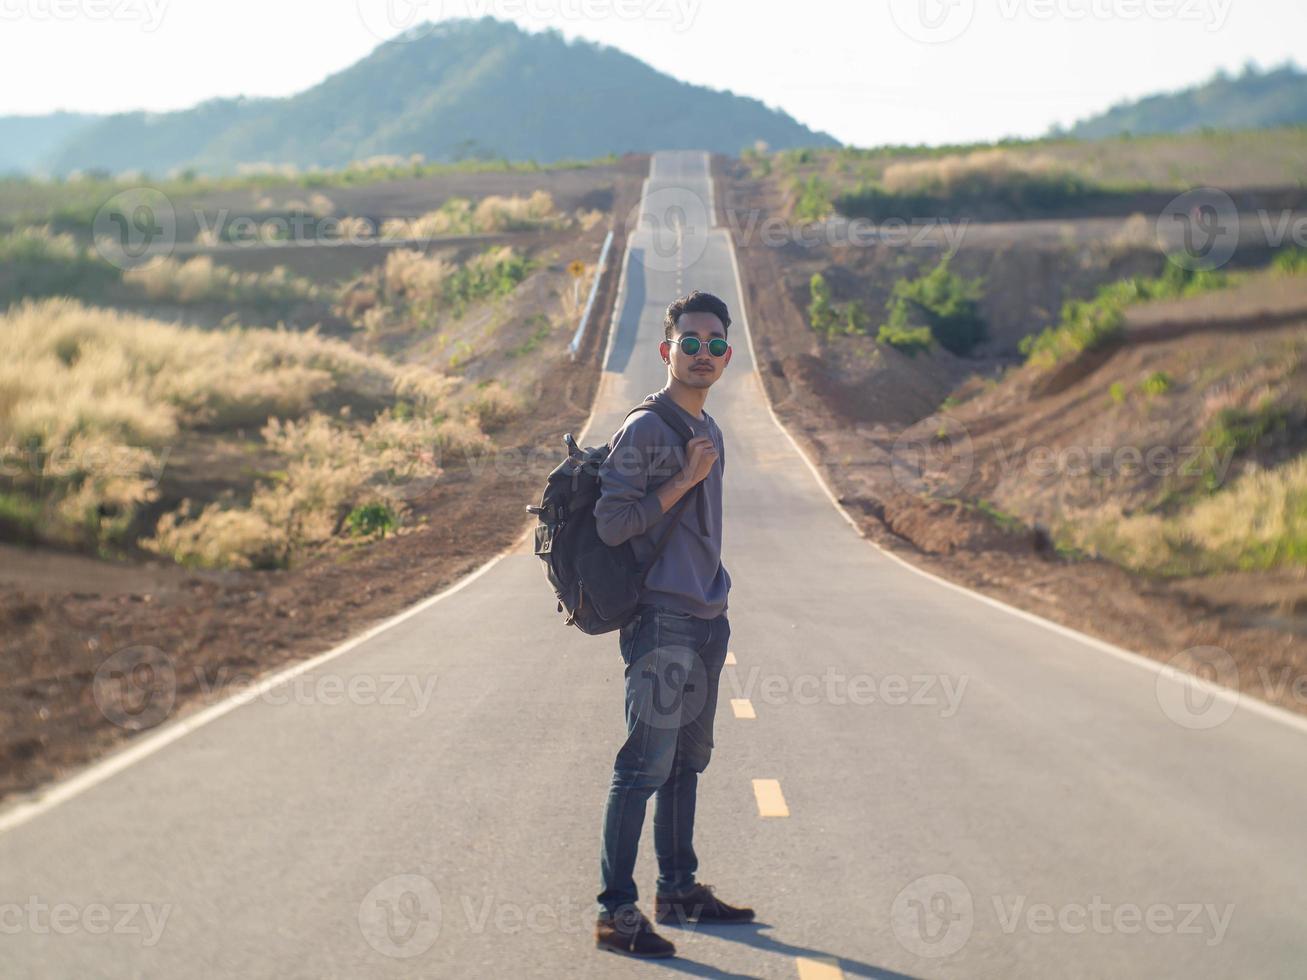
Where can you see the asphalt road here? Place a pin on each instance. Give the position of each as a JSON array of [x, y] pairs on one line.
[[967, 792]]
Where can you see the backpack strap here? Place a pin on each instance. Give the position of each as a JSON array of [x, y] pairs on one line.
[[668, 415]]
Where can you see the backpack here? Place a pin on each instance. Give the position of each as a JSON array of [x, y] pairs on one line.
[[598, 584]]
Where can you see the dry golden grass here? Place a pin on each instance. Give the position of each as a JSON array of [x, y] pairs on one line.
[[460, 216], [494, 406], [96, 394], [201, 280], [1259, 522], [332, 469], [944, 176], [415, 276]]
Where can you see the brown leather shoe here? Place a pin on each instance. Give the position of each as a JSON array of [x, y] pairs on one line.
[[628, 932], [699, 904]]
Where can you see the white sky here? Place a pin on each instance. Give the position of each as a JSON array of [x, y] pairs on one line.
[[854, 68]]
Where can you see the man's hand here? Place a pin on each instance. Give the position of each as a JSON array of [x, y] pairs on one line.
[[701, 454]]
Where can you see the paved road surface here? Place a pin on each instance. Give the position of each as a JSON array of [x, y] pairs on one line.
[[969, 793]]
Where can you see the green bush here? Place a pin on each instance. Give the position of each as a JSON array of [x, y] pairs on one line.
[[1087, 325], [827, 318], [909, 340], [371, 519], [1022, 193], [1157, 383], [35, 263], [1291, 261], [821, 314], [945, 303], [814, 201], [496, 272]]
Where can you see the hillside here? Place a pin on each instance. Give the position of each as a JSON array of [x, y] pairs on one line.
[[1252, 100], [469, 88], [26, 142]]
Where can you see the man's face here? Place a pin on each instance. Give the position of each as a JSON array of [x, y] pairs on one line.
[[701, 369]]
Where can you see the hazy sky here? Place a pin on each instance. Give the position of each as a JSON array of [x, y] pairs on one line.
[[866, 71]]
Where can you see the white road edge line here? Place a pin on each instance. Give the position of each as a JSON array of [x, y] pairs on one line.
[[16, 813], [1226, 694]]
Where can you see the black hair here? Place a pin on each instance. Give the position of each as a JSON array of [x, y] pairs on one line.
[[696, 302]]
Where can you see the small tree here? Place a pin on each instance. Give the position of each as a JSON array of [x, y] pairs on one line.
[[821, 314]]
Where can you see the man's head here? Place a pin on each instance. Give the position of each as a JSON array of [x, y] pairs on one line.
[[702, 316]]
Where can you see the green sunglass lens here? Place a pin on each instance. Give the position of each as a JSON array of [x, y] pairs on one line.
[[716, 347]]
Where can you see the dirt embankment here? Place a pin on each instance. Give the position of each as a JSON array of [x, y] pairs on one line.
[[64, 616], [955, 490]]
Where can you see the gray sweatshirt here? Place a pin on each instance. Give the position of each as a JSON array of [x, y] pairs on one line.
[[645, 453]]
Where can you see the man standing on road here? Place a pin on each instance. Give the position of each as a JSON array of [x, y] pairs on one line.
[[675, 645]]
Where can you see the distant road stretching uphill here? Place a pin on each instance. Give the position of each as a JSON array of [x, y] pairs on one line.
[[909, 780]]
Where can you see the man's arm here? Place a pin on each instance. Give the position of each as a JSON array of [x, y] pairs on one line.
[[625, 506]]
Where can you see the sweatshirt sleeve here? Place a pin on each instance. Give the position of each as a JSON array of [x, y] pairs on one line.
[[625, 506]]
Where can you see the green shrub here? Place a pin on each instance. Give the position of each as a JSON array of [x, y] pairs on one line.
[[1291, 261], [954, 184], [1117, 392], [909, 340], [495, 272], [947, 303], [821, 314], [1087, 325], [855, 318], [35, 263], [1157, 383], [371, 519], [814, 201]]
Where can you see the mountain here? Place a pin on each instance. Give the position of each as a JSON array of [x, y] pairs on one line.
[[1253, 100], [460, 88], [27, 141]]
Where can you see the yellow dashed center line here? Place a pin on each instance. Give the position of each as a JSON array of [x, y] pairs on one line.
[[730, 658], [743, 708], [825, 969], [771, 801]]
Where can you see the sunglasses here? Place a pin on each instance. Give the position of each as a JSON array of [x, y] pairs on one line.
[[717, 347]]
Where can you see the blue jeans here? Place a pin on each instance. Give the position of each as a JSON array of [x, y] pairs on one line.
[[673, 666]]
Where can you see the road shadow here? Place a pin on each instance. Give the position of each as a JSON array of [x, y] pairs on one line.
[[629, 325], [751, 935]]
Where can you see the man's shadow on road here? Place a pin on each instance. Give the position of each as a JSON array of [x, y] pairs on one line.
[[751, 934]]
